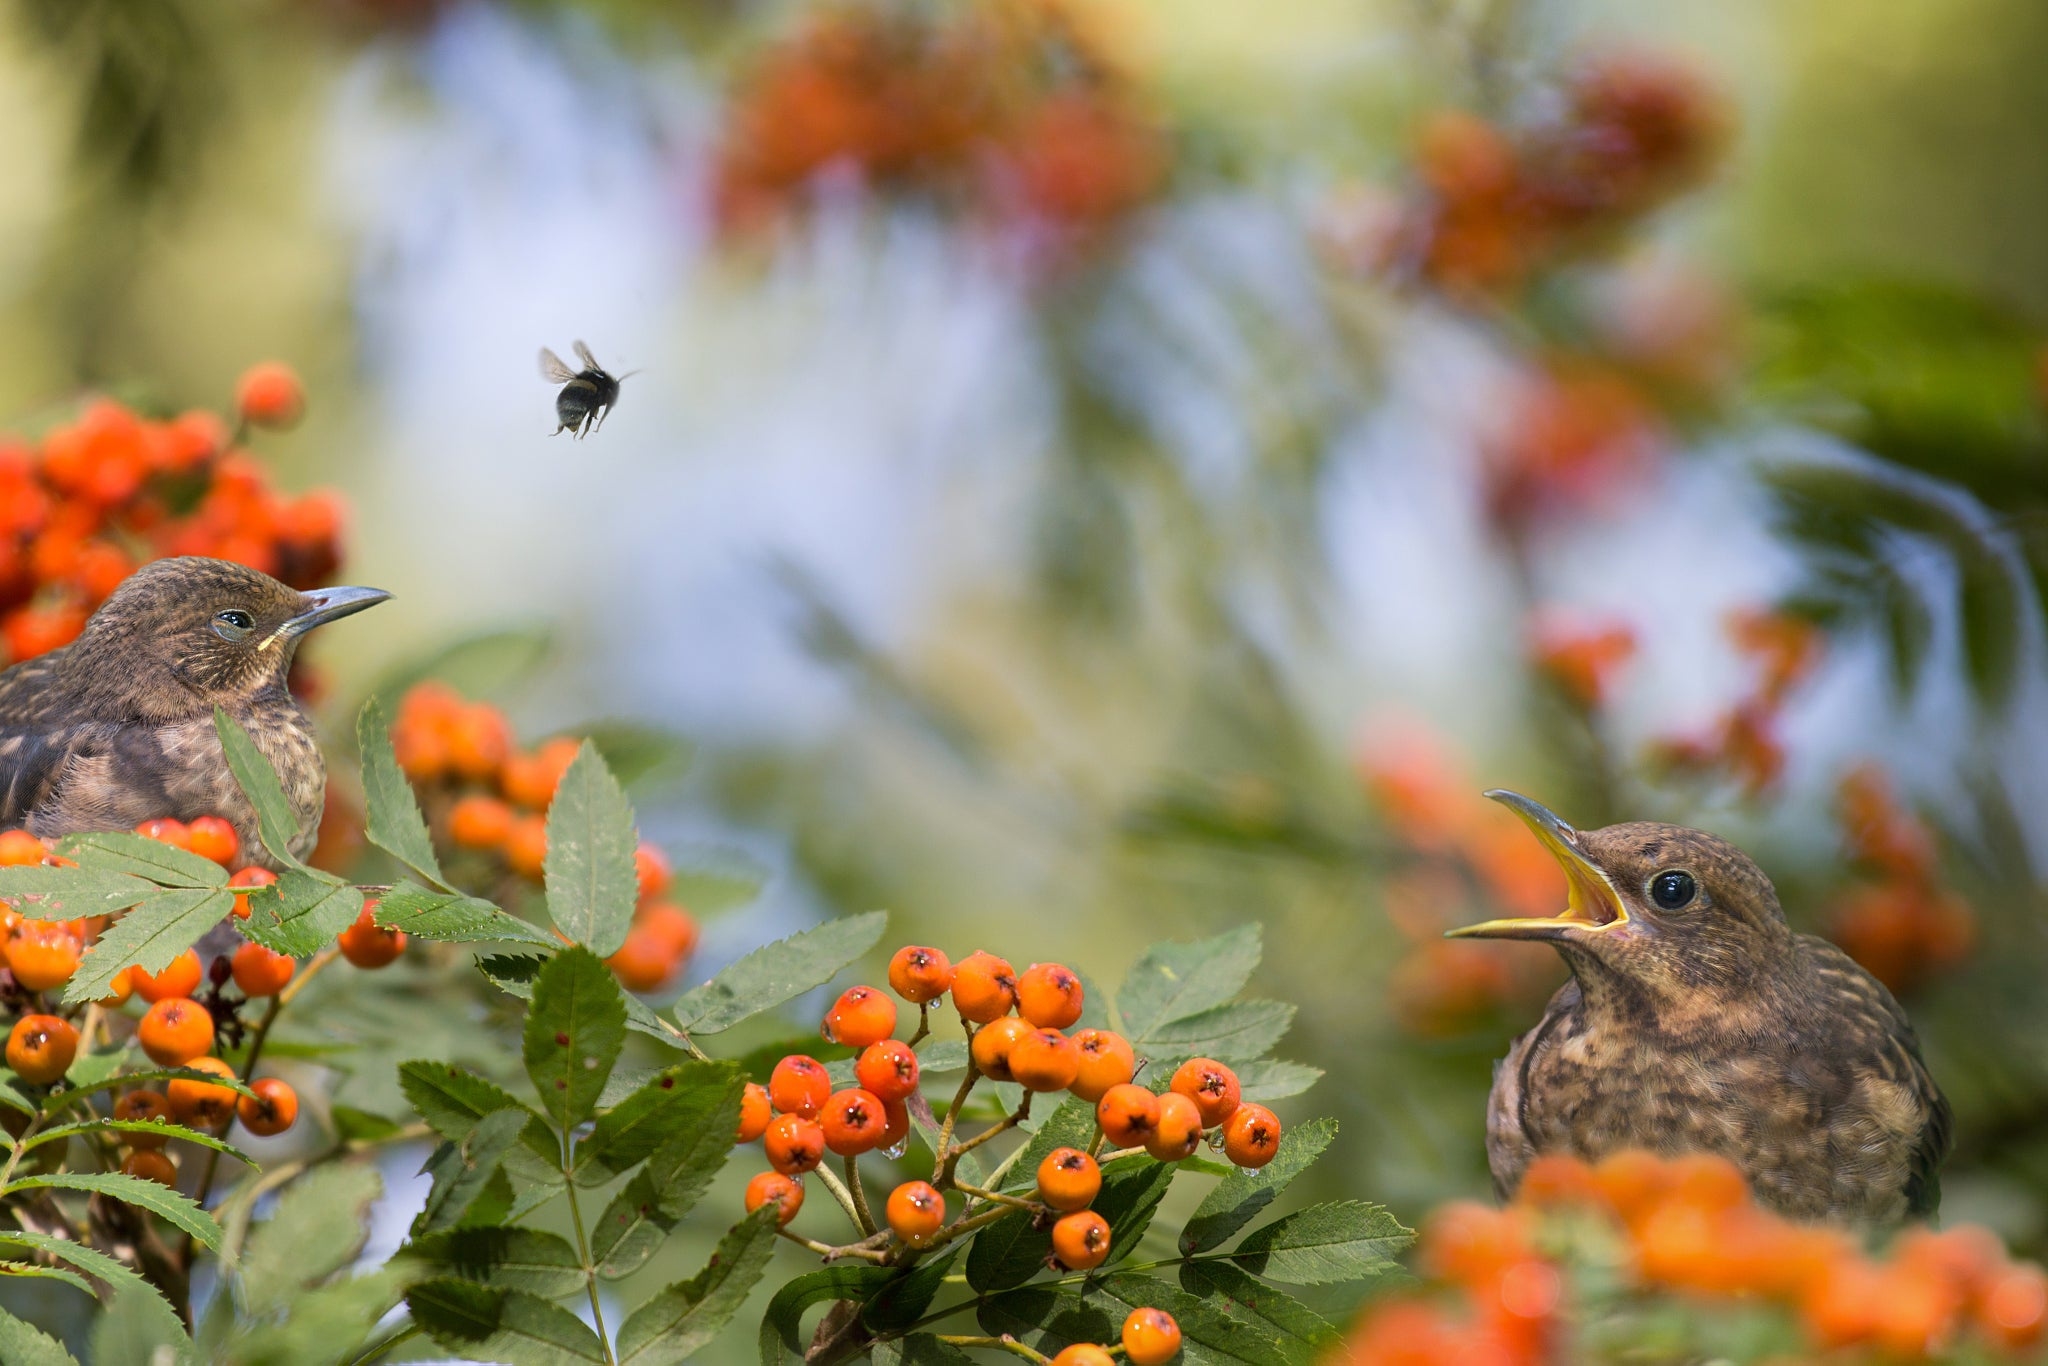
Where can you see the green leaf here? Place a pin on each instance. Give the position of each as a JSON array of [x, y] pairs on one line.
[[320, 1224], [903, 1301], [45, 893], [452, 1099], [682, 1167], [592, 884], [277, 824], [1242, 1196], [631, 1228], [462, 1170], [680, 1110], [139, 1327], [1304, 1336], [513, 973], [1173, 981], [392, 819], [152, 934], [1047, 1318], [138, 1126], [1269, 1079], [1132, 1188], [1242, 1031], [159, 1200], [782, 1327], [142, 1299], [453, 918], [685, 1317], [354, 1125], [301, 913], [119, 851], [479, 665], [1072, 1125], [1007, 1253], [636, 753], [515, 1258], [22, 1344], [919, 1349], [1210, 1334], [80, 1089], [29, 1271], [778, 972], [573, 1033], [1347, 1240], [492, 1323], [326, 1326]]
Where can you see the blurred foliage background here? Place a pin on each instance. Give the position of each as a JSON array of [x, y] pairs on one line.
[[1110, 470]]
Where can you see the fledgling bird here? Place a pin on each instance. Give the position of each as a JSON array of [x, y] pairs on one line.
[[1696, 1020], [116, 728]]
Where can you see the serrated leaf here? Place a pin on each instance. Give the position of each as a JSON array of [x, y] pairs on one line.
[[1242, 1196], [50, 893], [1132, 1188], [677, 1321], [1304, 1336], [1346, 1240], [1007, 1253], [156, 931], [453, 918], [903, 1301], [321, 1222], [682, 1166], [462, 1170], [30, 1271], [119, 851], [1071, 1125], [1172, 981], [782, 1326], [300, 913], [22, 1344], [1269, 1079], [144, 1299], [778, 972], [392, 819], [1047, 1318], [493, 1323], [592, 883], [1242, 1031], [1210, 1334], [679, 1111], [277, 824], [919, 1349], [516, 1258], [79, 1090], [172, 1207], [513, 973], [452, 1099], [12, 1098], [574, 1030], [139, 1126], [629, 1230]]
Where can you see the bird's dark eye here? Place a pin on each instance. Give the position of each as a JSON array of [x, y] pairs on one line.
[[233, 624], [1672, 890]]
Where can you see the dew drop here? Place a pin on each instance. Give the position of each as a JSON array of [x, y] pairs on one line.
[[828, 1033], [895, 1152]]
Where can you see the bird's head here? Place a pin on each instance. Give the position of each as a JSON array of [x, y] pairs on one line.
[[188, 626], [1670, 910]]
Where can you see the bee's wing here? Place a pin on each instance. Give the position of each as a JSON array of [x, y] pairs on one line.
[[551, 368], [589, 361]]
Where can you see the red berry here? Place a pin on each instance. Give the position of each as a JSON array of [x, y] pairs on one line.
[[1128, 1114], [916, 1212], [1251, 1135], [799, 1086], [1151, 1337], [755, 1112], [920, 974], [1107, 1060], [1049, 996], [773, 1188], [1068, 1180], [1044, 1060], [1211, 1086], [853, 1122], [861, 1016], [992, 1044], [889, 1069], [794, 1144], [1178, 1131], [1081, 1240], [984, 988]]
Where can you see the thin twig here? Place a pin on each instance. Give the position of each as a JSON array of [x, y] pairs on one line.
[[842, 1195], [1008, 1122], [862, 1216], [830, 1253], [1005, 1343], [997, 1197]]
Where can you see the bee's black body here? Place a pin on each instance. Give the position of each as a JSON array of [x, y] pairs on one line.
[[587, 394]]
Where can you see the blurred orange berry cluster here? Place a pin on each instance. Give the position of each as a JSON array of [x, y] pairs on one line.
[[1010, 108], [1899, 922], [95, 497], [1462, 848], [1575, 433], [1744, 745], [1688, 1228], [484, 795], [1580, 657]]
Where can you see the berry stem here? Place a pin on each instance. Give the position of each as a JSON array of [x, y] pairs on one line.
[[1005, 1343], [830, 1253], [842, 1195], [924, 1024], [863, 1216], [972, 1224], [313, 967], [583, 1255], [959, 1097], [995, 1178], [1007, 1123], [997, 1197]]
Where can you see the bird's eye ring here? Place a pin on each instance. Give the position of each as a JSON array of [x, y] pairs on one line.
[[233, 624], [1672, 889]]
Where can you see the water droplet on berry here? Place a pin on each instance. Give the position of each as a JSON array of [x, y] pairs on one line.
[[895, 1151], [829, 1034]]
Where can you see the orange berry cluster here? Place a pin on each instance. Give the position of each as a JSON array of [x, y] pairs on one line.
[[1010, 109], [1900, 922], [1745, 744], [1581, 658], [1689, 1226], [1576, 434], [1150, 1337], [95, 497], [484, 795]]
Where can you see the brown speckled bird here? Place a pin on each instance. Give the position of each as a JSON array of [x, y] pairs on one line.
[[1696, 1020], [117, 727]]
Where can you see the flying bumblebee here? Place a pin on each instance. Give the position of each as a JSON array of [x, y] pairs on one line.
[[587, 394]]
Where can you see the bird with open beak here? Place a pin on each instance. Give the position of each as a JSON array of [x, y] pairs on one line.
[[1696, 1020], [117, 728]]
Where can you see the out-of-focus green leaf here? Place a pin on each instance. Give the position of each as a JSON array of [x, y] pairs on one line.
[[1346, 1240], [64, 1132], [676, 1322], [636, 753], [300, 913], [778, 972], [1243, 1195], [592, 883], [135, 1298], [392, 820], [327, 1326], [22, 1344], [493, 1323], [320, 1224], [1173, 981], [462, 1170], [480, 665], [573, 1033]]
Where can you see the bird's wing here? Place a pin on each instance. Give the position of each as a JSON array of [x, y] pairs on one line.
[[33, 746], [1898, 1055]]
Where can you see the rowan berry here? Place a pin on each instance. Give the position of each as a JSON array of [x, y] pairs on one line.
[[1068, 1179], [799, 1086], [1049, 995], [143, 1105], [151, 1165], [1107, 1060], [786, 1193], [40, 1048], [2012, 1308], [895, 1126], [180, 977], [269, 395], [1044, 1060], [1128, 1114], [652, 868], [368, 944], [671, 925], [530, 780], [526, 847], [1178, 1131], [919, 974], [273, 1109], [176, 1031], [644, 961], [794, 1144], [1081, 1240], [1151, 1337], [249, 878], [479, 822], [119, 990], [42, 954], [260, 972], [984, 987], [859, 1017], [992, 1044], [20, 849], [889, 1069], [755, 1112], [479, 738], [213, 838], [916, 1212], [1211, 1086], [1083, 1354], [165, 830], [1251, 1135], [853, 1122], [202, 1104]]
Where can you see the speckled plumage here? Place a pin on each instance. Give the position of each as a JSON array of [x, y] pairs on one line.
[[117, 727], [1716, 1028]]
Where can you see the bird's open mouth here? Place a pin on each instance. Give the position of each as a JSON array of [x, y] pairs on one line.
[[1592, 904]]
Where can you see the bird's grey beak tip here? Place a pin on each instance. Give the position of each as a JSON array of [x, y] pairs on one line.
[[332, 604]]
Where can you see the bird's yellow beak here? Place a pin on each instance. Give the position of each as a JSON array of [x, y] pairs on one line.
[[1593, 905]]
